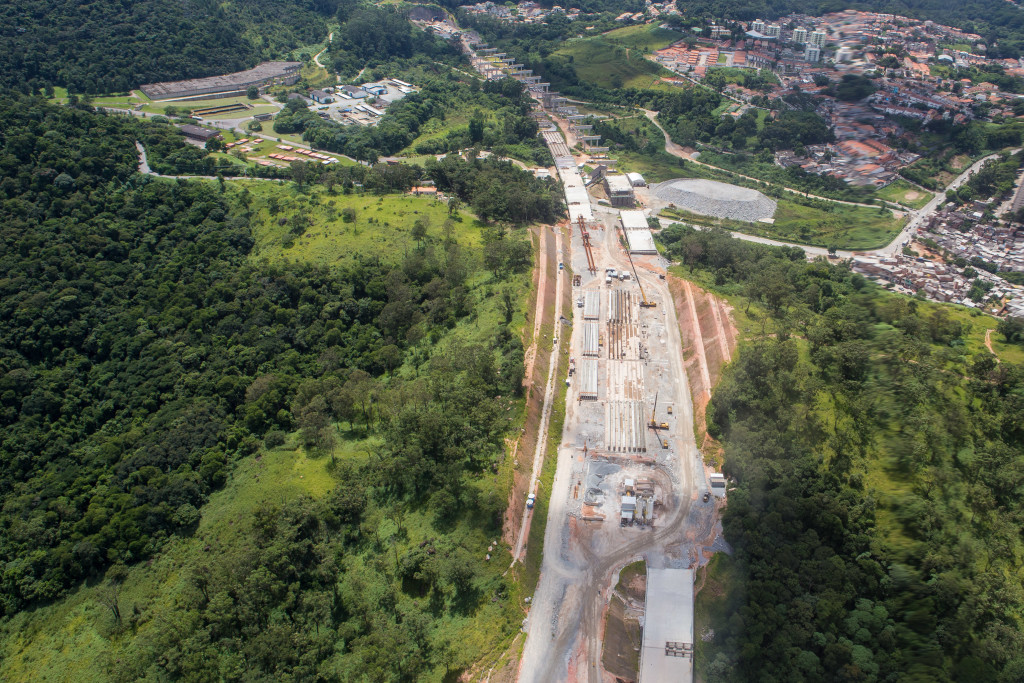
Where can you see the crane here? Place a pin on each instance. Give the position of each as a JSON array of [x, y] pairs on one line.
[[654, 424], [644, 302]]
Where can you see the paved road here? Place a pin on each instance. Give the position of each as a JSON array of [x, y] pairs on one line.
[[916, 218], [330, 38], [675, 150]]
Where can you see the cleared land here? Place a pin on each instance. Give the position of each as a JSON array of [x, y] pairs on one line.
[[906, 194], [839, 225], [608, 65], [311, 227], [719, 200], [623, 634]]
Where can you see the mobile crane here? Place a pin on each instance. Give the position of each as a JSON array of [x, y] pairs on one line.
[[644, 301], [654, 424]]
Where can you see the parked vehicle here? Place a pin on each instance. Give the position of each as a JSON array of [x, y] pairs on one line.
[[530, 500]]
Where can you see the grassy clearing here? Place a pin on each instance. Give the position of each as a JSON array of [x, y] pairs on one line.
[[902, 192], [74, 639], [842, 225], [648, 37], [607, 65], [381, 227], [655, 168]]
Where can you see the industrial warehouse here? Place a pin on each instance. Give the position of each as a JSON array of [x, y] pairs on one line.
[[226, 85]]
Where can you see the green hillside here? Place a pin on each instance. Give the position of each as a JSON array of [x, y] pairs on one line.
[[606, 64], [875, 446], [644, 37], [108, 46], [235, 442]]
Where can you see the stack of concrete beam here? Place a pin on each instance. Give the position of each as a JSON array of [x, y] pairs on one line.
[[588, 379], [624, 422], [591, 343], [591, 305]]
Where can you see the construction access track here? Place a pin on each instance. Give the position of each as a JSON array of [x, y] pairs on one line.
[[581, 552]]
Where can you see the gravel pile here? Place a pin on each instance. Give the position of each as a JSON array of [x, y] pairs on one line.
[[712, 198]]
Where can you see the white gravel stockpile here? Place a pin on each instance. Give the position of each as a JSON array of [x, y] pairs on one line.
[[712, 198]]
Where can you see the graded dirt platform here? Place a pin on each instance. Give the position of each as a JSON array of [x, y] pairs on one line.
[[712, 198]]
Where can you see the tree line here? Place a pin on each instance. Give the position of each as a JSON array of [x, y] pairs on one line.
[[877, 461], [108, 46]]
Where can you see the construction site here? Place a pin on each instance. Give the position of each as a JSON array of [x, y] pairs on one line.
[[630, 481]]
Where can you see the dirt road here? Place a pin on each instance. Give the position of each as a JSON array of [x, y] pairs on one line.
[[549, 387]]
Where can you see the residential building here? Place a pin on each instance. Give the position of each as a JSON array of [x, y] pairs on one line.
[[819, 38], [800, 35]]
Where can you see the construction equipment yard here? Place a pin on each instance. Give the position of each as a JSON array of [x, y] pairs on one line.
[[630, 479], [630, 483]]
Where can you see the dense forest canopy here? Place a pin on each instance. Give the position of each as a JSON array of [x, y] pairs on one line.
[[141, 354], [108, 46], [879, 468]]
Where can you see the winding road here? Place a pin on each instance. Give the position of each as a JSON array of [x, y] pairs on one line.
[[916, 218]]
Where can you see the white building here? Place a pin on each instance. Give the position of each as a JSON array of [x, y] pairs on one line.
[[812, 53], [819, 38], [800, 35]]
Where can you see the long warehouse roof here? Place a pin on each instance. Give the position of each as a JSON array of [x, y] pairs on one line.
[[668, 627], [641, 242]]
